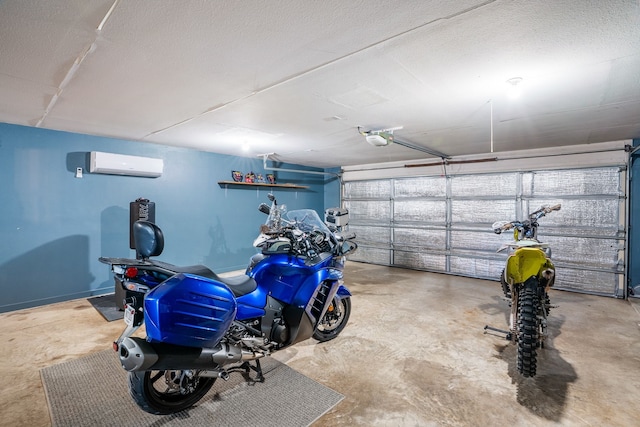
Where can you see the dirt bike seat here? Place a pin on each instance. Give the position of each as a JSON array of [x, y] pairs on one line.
[[149, 241]]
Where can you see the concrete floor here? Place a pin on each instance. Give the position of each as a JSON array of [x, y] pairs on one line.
[[413, 354]]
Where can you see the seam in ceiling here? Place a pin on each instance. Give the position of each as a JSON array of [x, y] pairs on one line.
[[76, 65], [321, 66]]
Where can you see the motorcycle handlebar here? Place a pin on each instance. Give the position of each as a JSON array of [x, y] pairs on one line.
[[500, 226], [553, 208]]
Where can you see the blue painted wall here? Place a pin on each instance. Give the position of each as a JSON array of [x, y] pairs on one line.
[[53, 226]]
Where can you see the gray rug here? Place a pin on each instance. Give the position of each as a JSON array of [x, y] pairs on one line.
[[106, 306], [93, 391]]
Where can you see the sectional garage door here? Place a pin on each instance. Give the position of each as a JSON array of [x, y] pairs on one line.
[[443, 223]]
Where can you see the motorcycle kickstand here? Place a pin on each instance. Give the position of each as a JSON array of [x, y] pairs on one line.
[[247, 368], [508, 334]]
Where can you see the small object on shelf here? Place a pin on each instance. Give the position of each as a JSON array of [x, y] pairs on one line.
[[271, 178], [237, 176], [259, 178], [250, 178], [260, 184]]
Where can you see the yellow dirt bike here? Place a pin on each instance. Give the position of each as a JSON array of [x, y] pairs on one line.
[[526, 279]]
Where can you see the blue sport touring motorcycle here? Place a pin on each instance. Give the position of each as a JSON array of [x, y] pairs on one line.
[[200, 326]]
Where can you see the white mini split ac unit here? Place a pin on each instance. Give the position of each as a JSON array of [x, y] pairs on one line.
[[120, 164]]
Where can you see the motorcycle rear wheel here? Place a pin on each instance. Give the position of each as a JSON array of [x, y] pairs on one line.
[[527, 331], [166, 392], [334, 320]]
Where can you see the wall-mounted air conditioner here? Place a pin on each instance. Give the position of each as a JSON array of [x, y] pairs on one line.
[[120, 164]]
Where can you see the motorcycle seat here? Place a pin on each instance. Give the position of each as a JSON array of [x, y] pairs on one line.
[[149, 241], [239, 285]]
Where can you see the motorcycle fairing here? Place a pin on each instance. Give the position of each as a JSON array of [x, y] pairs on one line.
[[287, 279], [524, 263], [189, 310]]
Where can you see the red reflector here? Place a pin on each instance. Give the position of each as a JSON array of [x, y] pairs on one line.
[[115, 346], [131, 272]]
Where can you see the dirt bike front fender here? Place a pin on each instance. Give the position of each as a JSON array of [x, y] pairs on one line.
[[525, 263]]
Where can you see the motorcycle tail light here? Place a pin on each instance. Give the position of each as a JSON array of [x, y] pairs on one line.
[[131, 272]]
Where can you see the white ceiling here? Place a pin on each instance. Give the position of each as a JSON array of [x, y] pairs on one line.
[[297, 77]]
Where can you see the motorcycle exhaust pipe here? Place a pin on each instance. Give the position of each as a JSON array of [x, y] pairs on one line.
[[136, 354]]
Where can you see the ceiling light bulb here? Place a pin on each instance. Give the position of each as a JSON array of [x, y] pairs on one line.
[[514, 87]]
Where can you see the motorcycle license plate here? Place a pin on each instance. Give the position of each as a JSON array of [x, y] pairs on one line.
[[129, 315]]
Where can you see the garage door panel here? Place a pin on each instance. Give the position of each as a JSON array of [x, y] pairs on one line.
[[482, 211], [433, 239], [575, 181], [600, 253], [480, 240], [380, 189], [420, 211], [369, 211], [420, 187], [476, 267], [420, 260], [500, 185], [371, 234], [452, 233], [371, 255], [600, 282]]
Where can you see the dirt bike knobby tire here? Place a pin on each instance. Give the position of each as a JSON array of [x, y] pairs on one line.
[[527, 331]]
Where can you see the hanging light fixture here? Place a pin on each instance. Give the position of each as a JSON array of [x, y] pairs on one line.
[[514, 87]]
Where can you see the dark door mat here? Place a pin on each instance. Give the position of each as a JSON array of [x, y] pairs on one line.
[[106, 306], [93, 391]]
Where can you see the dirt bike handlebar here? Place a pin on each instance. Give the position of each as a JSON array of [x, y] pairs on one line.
[[500, 226]]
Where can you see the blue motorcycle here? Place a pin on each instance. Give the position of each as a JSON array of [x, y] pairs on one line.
[[201, 327]]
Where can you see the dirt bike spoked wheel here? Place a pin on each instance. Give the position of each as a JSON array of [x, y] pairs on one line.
[[166, 392], [334, 320], [528, 329]]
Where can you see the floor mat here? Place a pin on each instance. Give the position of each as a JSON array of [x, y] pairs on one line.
[[93, 390], [106, 306]]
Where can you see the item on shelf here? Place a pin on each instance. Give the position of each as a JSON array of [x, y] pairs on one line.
[[260, 178], [237, 176], [250, 178], [271, 178]]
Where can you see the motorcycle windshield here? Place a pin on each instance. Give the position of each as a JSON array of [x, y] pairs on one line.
[[307, 220]]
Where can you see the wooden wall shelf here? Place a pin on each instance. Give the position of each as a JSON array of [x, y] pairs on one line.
[[260, 184]]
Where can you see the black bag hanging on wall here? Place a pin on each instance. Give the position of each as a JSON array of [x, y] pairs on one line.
[[141, 209]]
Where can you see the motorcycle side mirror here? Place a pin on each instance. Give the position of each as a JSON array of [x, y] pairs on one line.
[[348, 247], [271, 197], [264, 208]]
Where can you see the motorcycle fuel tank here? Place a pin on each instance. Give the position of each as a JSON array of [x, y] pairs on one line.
[[189, 310]]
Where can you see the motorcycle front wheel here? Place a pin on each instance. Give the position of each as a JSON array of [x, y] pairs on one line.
[[334, 320], [527, 331], [167, 392]]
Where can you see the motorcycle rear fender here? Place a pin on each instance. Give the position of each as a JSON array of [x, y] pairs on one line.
[[526, 262]]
